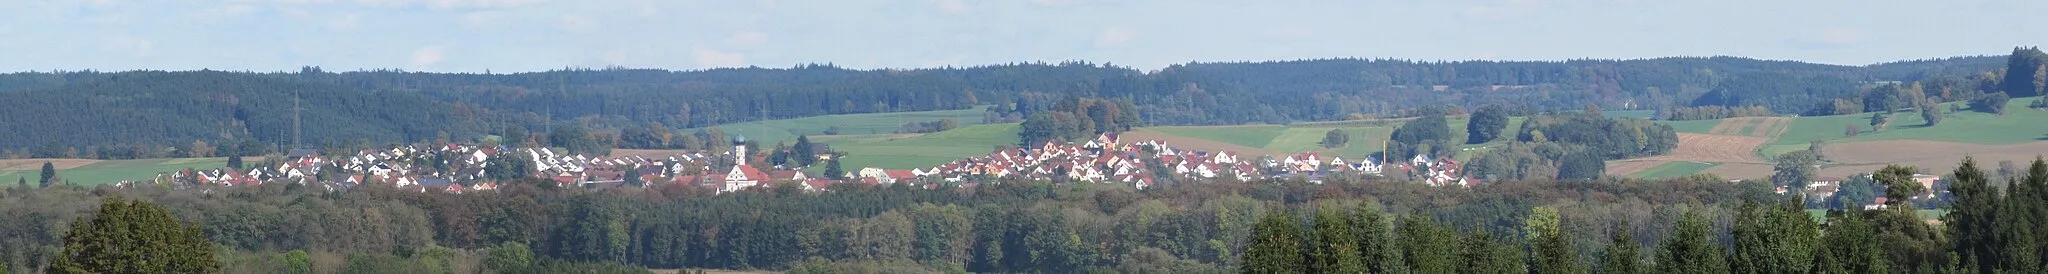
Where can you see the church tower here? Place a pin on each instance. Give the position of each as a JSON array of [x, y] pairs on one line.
[[739, 149]]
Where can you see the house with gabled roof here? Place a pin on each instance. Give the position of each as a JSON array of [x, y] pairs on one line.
[[742, 177]]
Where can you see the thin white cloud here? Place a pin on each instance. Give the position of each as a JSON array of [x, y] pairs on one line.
[[427, 56], [480, 18], [433, 4], [1839, 36], [747, 39], [1499, 11], [953, 6], [346, 22], [712, 58], [1115, 36], [577, 23], [129, 46], [1052, 3]]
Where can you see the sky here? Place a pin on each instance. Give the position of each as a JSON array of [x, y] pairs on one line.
[[535, 35]]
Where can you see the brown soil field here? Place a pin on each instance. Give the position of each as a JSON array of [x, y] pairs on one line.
[[1730, 126], [1932, 157], [36, 164], [1735, 152], [1626, 167], [1715, 148], [1197, 144], [1736, 171]]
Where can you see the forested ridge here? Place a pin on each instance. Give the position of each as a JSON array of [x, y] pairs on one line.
[[55, 112]]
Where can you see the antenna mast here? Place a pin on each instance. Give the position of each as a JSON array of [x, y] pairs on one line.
[[295, 119]]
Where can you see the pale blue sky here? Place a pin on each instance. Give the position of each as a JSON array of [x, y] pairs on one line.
[[530, 35]]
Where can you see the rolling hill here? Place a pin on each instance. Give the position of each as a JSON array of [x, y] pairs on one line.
[[2015, 136]]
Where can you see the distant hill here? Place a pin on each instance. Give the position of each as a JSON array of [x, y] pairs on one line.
[[148, 112]]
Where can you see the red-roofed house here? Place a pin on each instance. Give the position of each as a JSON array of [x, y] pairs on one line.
[[817, 184], [899, 176], [787, 175]]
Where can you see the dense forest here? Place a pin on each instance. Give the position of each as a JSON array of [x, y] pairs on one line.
[[79, 114], [1687, 225]]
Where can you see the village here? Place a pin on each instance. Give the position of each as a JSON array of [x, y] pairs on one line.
[[1106, 159]]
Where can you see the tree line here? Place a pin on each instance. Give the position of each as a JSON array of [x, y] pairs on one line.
[[148, 113]]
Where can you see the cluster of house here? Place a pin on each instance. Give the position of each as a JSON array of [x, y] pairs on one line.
[[455, 168], [1822, 188], [1109, 159]]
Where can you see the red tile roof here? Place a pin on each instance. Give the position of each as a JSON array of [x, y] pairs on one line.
[[752, 173], [783, 174], [900, 174]]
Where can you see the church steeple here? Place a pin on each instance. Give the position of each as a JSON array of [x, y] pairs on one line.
[[739, 149]]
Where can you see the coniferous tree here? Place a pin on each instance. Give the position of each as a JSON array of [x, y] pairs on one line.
[[1850, 246], [235, 161], [1479, 253], [1973, 216], [1773, 238], [1428, 247], [49, 175], [1690, 249], [1377, 246], [633, 177], [1550, 249], [833, 170], [1275, 246], [803, 154], [1623, 255], [134, 237], [1336, 248], [2019, 244], [2036, 204]]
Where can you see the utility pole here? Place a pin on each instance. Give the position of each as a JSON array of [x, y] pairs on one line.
[[295, 119]]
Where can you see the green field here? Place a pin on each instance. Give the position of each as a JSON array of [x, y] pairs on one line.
[[2019, 125], [1638, 114], [1251, 136], [107, 172], [786, 130], [1673, 169], [904, 151], [1693, 126], [1366, 135]]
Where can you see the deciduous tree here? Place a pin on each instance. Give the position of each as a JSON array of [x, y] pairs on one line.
[[132, 236]]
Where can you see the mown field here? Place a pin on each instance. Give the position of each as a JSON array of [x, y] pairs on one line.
[[786, 130], [905, 151], [1366, 136], [1673, 169], [107, 172]]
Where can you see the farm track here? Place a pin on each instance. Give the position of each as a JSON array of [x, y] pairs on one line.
[[1729, 126], [1771, 126]]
